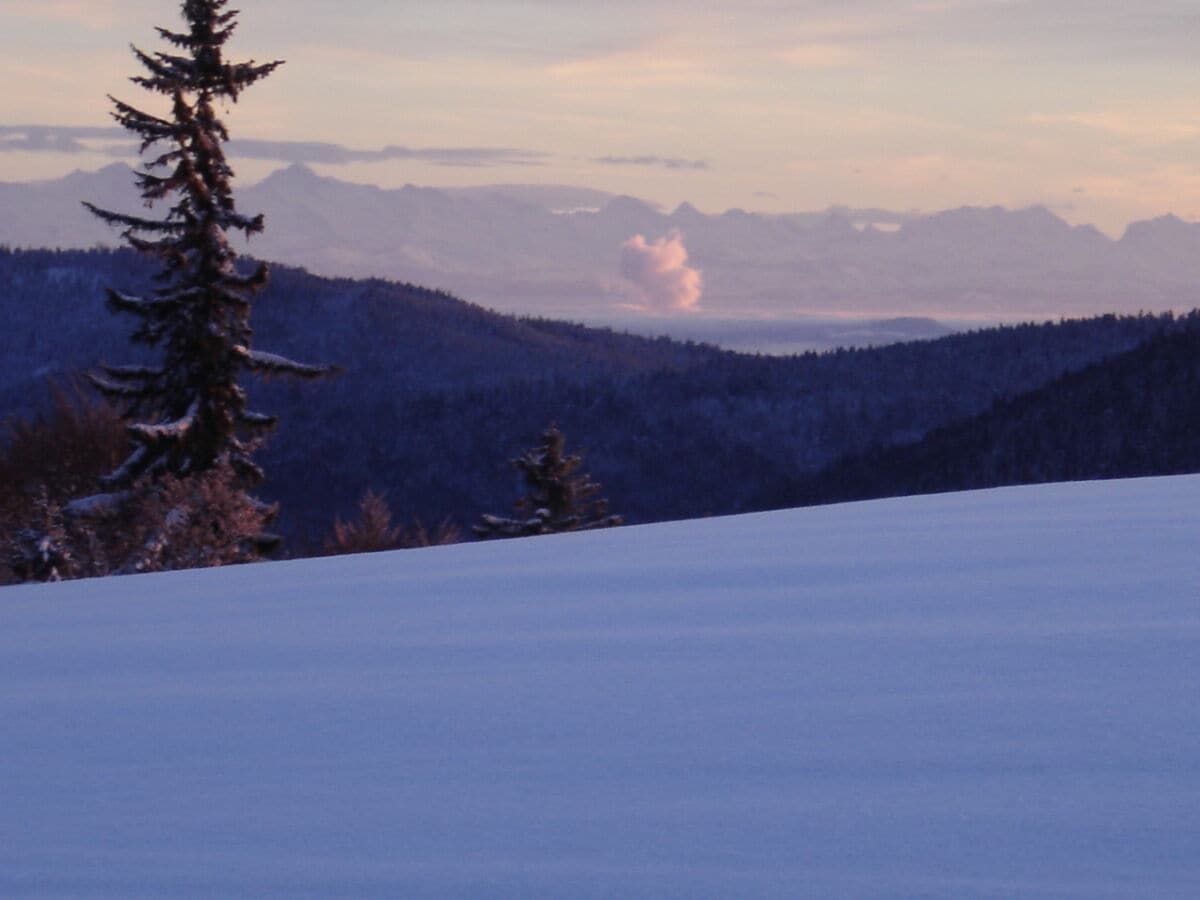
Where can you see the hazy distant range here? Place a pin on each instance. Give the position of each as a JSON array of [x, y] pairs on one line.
[[747, 280]]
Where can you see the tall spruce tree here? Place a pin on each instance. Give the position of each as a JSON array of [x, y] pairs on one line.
[[558, 498], [191, 408]]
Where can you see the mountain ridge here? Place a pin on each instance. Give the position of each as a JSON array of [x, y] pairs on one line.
[[556, 250]]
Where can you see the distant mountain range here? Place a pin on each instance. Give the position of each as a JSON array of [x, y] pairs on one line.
[[557, 250]]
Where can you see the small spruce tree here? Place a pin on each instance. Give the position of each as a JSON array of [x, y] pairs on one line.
[[192, 409], [558, 499]]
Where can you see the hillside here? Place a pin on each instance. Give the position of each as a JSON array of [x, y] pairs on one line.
[[439, 394], [413, 337], [1135, 414], [967, 696]]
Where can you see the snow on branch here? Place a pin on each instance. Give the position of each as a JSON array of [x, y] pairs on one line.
[[133, 372], [97, 505], [273, 364], [135, 303], [115, 390], [168, 431]]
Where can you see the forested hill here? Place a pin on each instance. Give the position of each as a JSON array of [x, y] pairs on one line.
[[403, 337], [438, 394], [1135, 414]]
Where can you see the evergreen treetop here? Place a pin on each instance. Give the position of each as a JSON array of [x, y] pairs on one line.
[[193, 409]]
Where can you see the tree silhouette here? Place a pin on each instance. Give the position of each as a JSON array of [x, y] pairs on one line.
[[558, 499], [192, 408]]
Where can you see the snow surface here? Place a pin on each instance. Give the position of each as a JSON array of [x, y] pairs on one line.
[[993, 694]]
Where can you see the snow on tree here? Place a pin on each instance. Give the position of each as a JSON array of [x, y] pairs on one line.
[[206, 519], [558, 498], [192, 409], [42, 552], [196, 522]]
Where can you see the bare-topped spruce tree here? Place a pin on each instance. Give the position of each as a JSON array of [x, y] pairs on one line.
[[190, 410]]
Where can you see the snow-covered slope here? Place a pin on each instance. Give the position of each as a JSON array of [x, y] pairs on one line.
[[972, 695]]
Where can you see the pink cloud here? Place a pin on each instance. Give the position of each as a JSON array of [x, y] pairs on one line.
[[661, 272]]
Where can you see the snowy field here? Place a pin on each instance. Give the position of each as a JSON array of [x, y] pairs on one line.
[[993, 694]]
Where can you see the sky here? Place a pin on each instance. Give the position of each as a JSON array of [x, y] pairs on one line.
[[1089, 107]]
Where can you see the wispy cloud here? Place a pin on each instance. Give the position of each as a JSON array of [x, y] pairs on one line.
[[337, 154], [661, 162], [660, 62], [70, 139], [49, 139], [1149, 126]]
